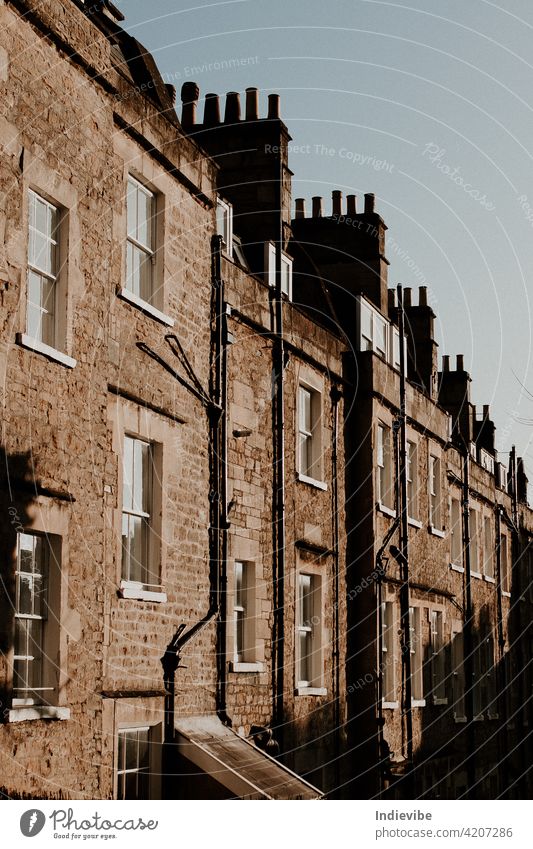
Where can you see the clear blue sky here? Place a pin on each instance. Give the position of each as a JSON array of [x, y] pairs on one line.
[[430, 106]]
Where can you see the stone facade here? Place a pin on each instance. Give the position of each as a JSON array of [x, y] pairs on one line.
[[261, 401]]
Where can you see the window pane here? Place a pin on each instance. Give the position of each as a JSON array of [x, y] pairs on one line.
[[306, 455], [145, 218], [25, 587], [131, 205], [131, 746], [127, 479], [366, 327], [238, 584], [305, 410], [130, 785], [21, 638], [239, 635], [305, 659], [306, 607]]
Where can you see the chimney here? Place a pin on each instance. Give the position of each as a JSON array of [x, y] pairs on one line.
[[352, 205], [211, 110], [454, 396], [317, 207], [299, 211], [422, 296], [460, 362], [233, 108], [336, 202], [484, 431], [369, 203], [189, 98], [407, 297], [252, 104], [392, 300], [446, 362], [273, 106]]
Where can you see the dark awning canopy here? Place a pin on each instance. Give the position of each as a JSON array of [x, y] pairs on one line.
[[237, 764]]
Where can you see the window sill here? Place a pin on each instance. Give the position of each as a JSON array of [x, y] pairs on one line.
[[414, 523], [131, 590], [479, 717], [256, 666], [312, 482], [436, 532], [440, 701], [418, 703], [39, 347], [24, 714], [144, 306], [476, 575], [457, 568], [389, 705], [311, 691], [388, 511], [488, 579], [493, 715], [506, 594], [459, 719]]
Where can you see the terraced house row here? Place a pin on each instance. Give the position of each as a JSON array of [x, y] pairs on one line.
[[255, 543]]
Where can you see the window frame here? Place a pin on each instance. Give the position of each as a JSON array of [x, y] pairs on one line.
[[50, 690], [149, 251], [456, 535], [411, 473], [489, 550], [246, 660], [435, 494], [122, 733], [130, 587], [475, 548], [388, 655], [505, 571], [385, 469], [417, 657], [270, 268], [226, 209], [314, 685], [310, 472], [437, 650]]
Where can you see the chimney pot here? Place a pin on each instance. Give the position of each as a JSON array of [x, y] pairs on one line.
[[299, 208], [317, 207], [336, 198], [252, 104], [486, 411], [232, 113], [189, 98], [446, 362], [211, 110], [407, 297], [369, 203], [460, 362], [352, 205], [422, 296], [273, 105]]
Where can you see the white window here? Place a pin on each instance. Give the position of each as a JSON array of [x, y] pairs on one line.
[[43, 270], [133, 765], [488, 545], [138, 544], [412, 479], [416, 649], [435, 517], [475, 566], [309, 430], [244, 643], [308, 627], [385, 489], [225, 225], [286, 269], [437, 656], [374, 329], [504, 564], [395, 348], [456, 534], [458, 673], [140, 246], [35, 638], [388, 653]]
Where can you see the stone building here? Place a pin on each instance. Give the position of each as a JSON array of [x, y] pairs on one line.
[[225, 572]]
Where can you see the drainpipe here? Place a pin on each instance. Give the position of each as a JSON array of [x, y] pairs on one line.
[[220, 473], [502, 678], [468, 626], [336, 395], [279, 483], [403, 553]]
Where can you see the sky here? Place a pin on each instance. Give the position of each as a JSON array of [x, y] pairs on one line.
[[428, 105]]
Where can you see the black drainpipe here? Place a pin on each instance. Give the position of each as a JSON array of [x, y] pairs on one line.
[[468, 642], [336, 395], [218, 523], [278, 659]]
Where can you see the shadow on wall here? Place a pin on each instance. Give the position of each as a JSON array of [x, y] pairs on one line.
[[18, 489]]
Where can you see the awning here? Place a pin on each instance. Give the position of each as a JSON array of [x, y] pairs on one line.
[[235, 763]]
